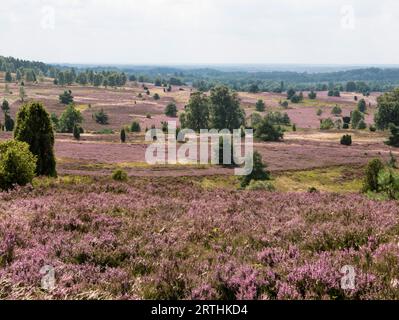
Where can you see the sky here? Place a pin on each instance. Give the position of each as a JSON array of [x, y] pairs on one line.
[[166, 32]]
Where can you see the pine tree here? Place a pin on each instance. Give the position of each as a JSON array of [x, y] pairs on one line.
[[123, 135]]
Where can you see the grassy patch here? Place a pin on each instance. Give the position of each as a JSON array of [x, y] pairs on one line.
[[336, 179]]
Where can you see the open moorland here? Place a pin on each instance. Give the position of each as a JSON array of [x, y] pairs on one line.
[[189, 231]]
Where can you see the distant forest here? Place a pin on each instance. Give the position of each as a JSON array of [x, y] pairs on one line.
[[363, 80]]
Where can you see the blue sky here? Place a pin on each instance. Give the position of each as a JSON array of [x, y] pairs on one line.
[[201, 31]]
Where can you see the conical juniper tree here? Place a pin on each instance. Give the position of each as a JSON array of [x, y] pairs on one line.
[[33, 126]]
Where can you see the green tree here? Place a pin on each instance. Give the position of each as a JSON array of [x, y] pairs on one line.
[[196, 115], [361, 105], [22, 94], [101, 117], [259, 172], [8, 77], [225, 110], [393, 139], [156, 96], [326, 124], [8, 122], [336, 110], [312, 95], [356, 117], [267, 131], [123, 135], [5, 106], [260, 106], [17, 164], [135, 127], [387, 110], [34, 127], [346, 140], [69, 118], [371, 175], [351, 86], [66, 97], [290, 93], [171, 110]]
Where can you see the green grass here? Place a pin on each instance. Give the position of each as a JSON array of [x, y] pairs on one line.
[[335, 179]]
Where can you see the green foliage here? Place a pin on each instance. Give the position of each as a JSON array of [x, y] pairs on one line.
[[225, 144], [392, 160], [8, 77], [119, 175], [267, 131], [256, 118], [279, 118], [259, 172], [393, 139], [5, 106], [295, 99], [362, 125], [101, 117], [17, 164], [123, 135], [76, 132], [54, 120], [326, 124], [336, 110], [290, 93], [293, 127], [319, 112], [156, 96], [361, 105], [388, 110], [284, 104], [66, 97], [22, 93], [356, 117], [255, 185], [372, 128], [351, 86], [34, 127], [69, 118], [253, 88], [345, 126], [135, 127], [388, 183], [196, 115], [260, 106], [225, 110], [371, 175], [312, 95], [171, 110], [346, 140], [8, 122], [334, 93]]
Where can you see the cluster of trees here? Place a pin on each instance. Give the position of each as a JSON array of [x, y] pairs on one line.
[[90, 77]]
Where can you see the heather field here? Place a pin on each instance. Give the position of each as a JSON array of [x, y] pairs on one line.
[[175, 239], [190, 231]]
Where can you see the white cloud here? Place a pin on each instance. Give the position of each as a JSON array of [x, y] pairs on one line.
[[201, 31]]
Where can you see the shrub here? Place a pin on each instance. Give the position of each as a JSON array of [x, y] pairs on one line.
[[345, 126], [69, 118], [372, 128], [260, 106], [361, 105], [388, 183], [346, 140], [135, 127], [312, 190], [312, 95], [295, 99], [34, 127], [156, 96], [336, 110], [123, 135], [362, 125], [267, 131], [284, 104], [356, 117], [259, 172], [8, 122], [255, 185], [101, 117], [148, 116], [319, 112], [66, 97], [393, 139], [171, 110], [294, 127], [371, 175], [326, 124], [17, 164], [119, 175]]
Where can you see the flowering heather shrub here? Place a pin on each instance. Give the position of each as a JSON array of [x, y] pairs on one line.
[[151, 238]]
